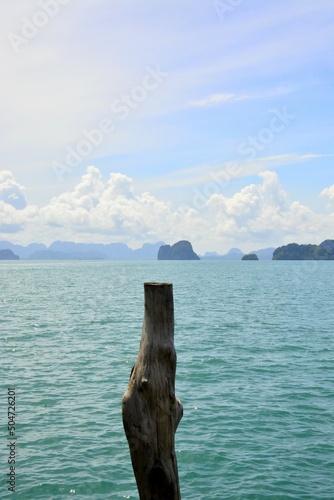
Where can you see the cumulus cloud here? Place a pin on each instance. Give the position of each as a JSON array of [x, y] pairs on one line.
[[328, 193], [261, 212], [13, 205], [111, 210], [11, 192], [251, 200]]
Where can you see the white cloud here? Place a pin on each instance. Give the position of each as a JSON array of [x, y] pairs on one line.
[[111, 210], [328, 193], [66, 77], [15, 214], [225, 97], [252, 201], [260, 213], [11, 193], [215, 99], [223, 173]]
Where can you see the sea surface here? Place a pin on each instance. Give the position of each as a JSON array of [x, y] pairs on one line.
[[255, 373]]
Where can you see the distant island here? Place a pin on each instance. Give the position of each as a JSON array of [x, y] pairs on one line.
[[293, 251], [7, 254], [182, 250], [237, 254], [250, 256], [68, 250]]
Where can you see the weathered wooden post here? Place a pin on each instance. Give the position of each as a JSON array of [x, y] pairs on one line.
[[151, 412]]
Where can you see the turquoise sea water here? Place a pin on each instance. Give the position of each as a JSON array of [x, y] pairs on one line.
[[255, 373]]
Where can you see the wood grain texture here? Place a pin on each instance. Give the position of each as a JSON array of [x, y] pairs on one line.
[[150, 410]]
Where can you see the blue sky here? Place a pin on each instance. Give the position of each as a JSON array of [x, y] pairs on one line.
[[141, 121]]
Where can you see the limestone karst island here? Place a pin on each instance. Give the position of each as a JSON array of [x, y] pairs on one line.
[[8, 255], [182, 250], [324, 251], [250, 256]]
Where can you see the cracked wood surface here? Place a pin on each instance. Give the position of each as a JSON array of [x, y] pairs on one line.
[[150, 410]]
